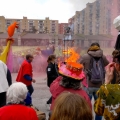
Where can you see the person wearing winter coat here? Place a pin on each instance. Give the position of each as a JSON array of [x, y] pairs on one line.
[[52, 72], [95, 61]]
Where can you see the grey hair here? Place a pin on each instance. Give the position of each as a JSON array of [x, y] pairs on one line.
[[17, 93]]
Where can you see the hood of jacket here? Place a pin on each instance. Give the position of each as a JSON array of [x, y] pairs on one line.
[[98, 53]]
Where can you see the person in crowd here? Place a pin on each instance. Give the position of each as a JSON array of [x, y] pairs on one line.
[[116, 68], [70, 80], [52, 72], [69, 106], [94, 63], [28, 100], [116, 73], [108, 102], [25, 73], [15, 108], [5, 82]]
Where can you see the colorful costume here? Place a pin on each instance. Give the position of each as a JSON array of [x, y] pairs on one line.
[[25, 75], [5, 53], [25, 69]]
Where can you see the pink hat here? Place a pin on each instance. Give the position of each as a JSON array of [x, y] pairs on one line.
[[73, 70]]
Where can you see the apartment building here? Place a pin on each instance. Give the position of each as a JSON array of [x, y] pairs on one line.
[[96, 18], [62, 27], [25, 24]]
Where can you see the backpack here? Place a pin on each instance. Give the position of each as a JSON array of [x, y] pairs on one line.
[[96, 71]]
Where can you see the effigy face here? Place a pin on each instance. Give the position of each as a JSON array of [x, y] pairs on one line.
[[116, 23]]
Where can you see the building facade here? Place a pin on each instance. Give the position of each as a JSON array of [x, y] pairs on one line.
[[92, 24], [31, 25], [96, 18], [31, 39], [62, 27]]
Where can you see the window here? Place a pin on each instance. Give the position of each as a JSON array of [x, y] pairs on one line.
[[53, 29], [31, 24], [30, 21], [41, 24], [53, 22], [40, 21], [41, 27], [18, 20], [8, 21]]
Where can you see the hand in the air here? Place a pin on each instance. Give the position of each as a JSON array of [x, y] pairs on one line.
[[109, 73], [33, 80]]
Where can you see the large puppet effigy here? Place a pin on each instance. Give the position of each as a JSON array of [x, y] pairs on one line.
[[4, 55]]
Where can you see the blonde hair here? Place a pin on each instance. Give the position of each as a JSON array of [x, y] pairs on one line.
[[69, 106]]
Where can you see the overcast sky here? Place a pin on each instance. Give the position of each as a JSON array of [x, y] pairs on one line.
[[60, 10]]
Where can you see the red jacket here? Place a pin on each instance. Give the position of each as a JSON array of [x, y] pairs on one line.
[[56, 90], [25, 69], [17, 112]]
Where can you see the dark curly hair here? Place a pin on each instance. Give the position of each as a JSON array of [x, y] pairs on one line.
[[116, 56], [68, 82], [116, 53]]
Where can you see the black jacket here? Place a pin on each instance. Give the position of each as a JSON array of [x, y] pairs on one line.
[[9, 78], [52, 73]]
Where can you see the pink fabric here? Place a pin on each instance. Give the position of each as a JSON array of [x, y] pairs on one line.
[[65, 71], [10, 60], [56, 90], [84, 82]]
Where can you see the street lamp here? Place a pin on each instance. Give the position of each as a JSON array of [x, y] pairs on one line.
[[67, 38], [19, 40]]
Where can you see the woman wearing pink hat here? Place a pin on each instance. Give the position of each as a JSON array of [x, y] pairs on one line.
[[70, 80]]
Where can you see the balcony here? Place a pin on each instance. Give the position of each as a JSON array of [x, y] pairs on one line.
[[41, 22]]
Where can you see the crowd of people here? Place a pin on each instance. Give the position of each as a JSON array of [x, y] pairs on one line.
[[72, 87]]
